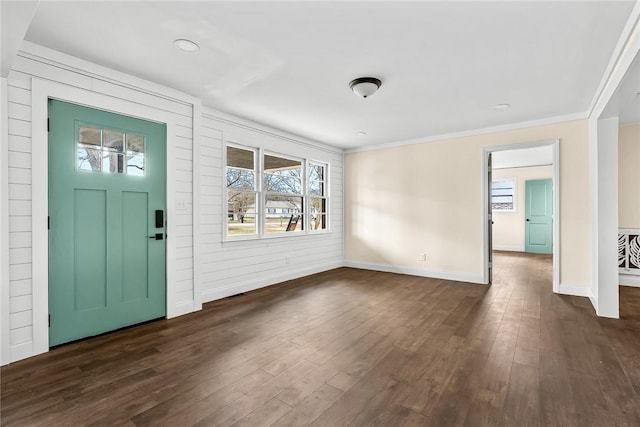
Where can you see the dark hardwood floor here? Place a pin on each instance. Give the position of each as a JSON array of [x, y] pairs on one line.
[[352, 347]]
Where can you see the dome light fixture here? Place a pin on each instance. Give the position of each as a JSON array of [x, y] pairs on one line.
[[186, 45], [501, 106], [365, 86]]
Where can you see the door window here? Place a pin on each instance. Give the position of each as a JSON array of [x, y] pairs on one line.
[[110, 151]]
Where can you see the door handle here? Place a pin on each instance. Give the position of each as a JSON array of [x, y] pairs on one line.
[[157, 236]]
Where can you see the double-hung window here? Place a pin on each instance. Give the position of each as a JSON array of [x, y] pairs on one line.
[[242, 192], [503, 195], [317, 187], [282, 189], [271, 194]]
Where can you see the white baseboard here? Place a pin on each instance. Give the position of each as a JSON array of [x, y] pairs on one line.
[[629, 280], [446, 275], [575, 290], [579, 291], [182, 308], [508, 248], [594, 301], [19, 352], [219, 293]]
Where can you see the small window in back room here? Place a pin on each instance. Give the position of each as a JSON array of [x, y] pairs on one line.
[[503, 195]]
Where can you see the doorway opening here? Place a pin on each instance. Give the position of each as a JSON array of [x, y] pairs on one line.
[[619, 125], [521, 202]]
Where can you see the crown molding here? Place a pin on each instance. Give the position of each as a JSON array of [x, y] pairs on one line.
[[474, 132]]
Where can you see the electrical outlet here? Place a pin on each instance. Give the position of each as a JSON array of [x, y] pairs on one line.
[[423, 257]]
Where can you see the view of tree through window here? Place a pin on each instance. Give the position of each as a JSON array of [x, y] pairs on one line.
[[317, 196], [109, 150], [283, 193], [291, 198], [242, 196]]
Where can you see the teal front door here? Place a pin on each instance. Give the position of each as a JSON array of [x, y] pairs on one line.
[[538, 231], [107, 190]]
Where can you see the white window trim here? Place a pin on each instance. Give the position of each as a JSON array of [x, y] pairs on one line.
[[257, 188], [326, 197], [261, 196], [515, 195], [303, 195]]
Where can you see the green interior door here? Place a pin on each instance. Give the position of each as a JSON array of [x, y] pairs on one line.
[[107, 198], [538, 231]]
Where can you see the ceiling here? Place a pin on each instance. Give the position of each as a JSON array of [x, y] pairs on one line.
[[444, 65]]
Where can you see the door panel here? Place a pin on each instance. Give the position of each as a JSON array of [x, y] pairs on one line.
[[538, 216], [106, 179], [90, 258], [135, 245]]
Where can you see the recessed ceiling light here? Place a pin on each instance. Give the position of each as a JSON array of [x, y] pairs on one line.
[[361, 133], [186, 45], [501, 106]]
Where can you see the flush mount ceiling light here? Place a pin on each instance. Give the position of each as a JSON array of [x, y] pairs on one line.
[[186, 45], [361, 133], [501, 106], [365, 86]]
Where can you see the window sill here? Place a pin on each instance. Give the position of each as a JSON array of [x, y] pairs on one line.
[[230, 242]]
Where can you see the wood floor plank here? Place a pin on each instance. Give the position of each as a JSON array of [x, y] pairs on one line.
[[266, 415], [306, 411], [255, 398], [522, 406], [557, 405]]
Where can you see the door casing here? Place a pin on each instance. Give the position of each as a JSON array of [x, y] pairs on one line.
[[486, 246], [41, 91]]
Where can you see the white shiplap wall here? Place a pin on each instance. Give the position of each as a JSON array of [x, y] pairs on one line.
[[19, 162], [228, 268], [202, 266], [35, 62]]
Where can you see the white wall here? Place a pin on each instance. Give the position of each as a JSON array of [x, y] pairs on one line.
[[199, 265], [4, 222], [508, 227], [606, 216], [629, 176], [628, 186], [232, 267]]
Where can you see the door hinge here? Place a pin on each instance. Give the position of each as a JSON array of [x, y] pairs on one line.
[[49, 320], [48, 125], [48, 223]]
